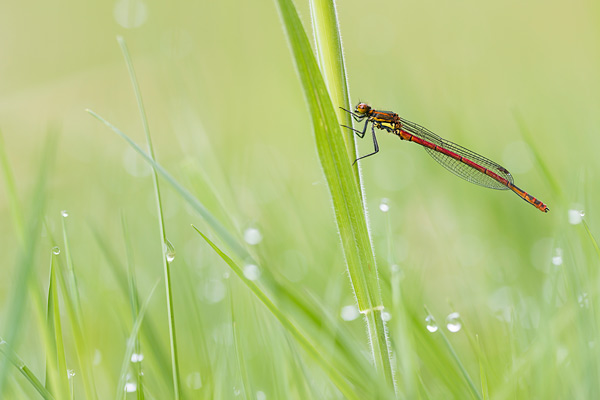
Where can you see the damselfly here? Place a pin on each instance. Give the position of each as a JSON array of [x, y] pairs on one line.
[[458, 160]]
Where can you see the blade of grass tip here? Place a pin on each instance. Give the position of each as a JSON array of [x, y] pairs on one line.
[[25, 259], [482, 373], [56, 365], [215, 225], [333, 372], [81, 349], [135, 305], [15, 360], [121, 393], [342, 184], [238, 350], [161, 222], [328, 42], [592, 238], [11, 191], [538, 158], [462, 368]]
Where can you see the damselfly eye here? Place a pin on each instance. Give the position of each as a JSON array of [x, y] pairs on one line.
[[362, 108]]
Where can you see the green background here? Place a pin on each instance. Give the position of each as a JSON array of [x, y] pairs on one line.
[[514, 81]]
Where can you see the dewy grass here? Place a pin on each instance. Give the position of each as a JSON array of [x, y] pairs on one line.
[[26, 254], [161, 224]]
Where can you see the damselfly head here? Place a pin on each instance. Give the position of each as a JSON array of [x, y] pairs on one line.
[[362, 108]]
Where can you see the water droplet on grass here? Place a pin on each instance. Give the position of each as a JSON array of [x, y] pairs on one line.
[[130, 387], [252, 236], [137, 357], [431, 324], [56, 250], [349, 313], [453, 322], [583, 300], [557, 258], [251, 272], [575, 216], [386, 316], [384, 205], [64, 213], [169, 251]]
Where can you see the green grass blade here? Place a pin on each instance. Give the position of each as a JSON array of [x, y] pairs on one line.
[[246, 384], [161, 223], [135, 307], [25, 260], [56, 366], [131, 342], [556, 187], [331, 62], [15, 360], [459, 363], [215, 225], [343, 187], [149, 331], [83, 351], [333, 372]]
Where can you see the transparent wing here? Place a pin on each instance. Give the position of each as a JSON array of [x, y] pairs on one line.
[[459, 168]]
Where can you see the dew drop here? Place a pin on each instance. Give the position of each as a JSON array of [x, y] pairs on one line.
[[251, 272], [64, 213], [386, 316], [56, 250], [453, 322], [431, 324], [236, 391], [169, 251], [194, 380], [130, 387], [574, 216], [582, 213], [260, 395], [583, 300], [226, 275], [70, 373], [557, 257], [349, 313], [252, 236], [384, 205], [130, 13], [137, 357]]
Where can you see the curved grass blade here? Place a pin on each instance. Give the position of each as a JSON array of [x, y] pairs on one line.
[[161, 223], [25, 260], [15, 360], [333, 371], [343, 187]]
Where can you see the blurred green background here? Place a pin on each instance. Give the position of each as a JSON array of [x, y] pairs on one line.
[[229, 121]]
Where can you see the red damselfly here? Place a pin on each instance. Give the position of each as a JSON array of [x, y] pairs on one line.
[[458, 160]]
